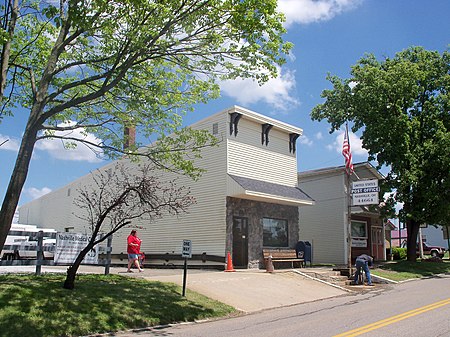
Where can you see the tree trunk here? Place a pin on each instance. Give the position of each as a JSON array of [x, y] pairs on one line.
[[6, 50], [411, 247], [17, 180], [69, 283]]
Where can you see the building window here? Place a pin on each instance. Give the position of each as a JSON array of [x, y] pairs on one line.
[[275, 233], [359, 230]]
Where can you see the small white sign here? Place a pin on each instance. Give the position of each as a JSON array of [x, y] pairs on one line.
[[186, 250], [365, 192], [361, 243], [365, 186], [365, 199], [69, 246]]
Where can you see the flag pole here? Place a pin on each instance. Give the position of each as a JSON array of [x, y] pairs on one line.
[[346, 152], [349, 224]]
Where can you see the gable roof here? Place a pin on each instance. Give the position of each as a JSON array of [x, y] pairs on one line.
[[340, 169], [269, 192], [255, 117]]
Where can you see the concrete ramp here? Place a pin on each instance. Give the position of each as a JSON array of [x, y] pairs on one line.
[[251, 291]]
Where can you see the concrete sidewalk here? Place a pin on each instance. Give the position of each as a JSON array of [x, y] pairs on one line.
[[254, 290], [246, 290]]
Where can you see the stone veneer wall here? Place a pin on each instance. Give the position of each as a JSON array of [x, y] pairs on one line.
[[255, 211]]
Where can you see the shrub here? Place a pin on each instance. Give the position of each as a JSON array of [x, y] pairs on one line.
[[399, 253]]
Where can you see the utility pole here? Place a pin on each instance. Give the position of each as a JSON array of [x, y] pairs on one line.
[[420, 243], [448, 240]]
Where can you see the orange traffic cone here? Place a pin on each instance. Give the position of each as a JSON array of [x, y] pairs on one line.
[[229, 263]]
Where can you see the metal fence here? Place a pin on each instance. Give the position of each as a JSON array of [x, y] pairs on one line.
[[11, 253]]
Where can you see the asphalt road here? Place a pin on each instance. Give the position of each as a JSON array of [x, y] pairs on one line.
[[416, 308], [305, 308]]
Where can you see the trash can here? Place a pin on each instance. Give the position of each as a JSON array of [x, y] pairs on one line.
[[306, 250]]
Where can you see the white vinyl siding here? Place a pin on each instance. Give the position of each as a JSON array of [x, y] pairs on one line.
[[204, 223], [53, 209], [324, 223], [261, 164], [248, 158], [250, 133]]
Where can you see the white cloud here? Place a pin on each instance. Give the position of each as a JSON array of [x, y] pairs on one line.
[[305, 140], [9, 144], [276, 92], [35, 193], [308, 11], [319, 135], [355, 144], [56, 149]]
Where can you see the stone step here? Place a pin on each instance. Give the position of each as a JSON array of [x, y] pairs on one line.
[[329, 276]]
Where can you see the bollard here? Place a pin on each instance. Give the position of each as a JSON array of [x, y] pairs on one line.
[[269, 265]]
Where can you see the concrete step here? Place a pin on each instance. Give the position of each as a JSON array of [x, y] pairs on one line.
[[328, 275]]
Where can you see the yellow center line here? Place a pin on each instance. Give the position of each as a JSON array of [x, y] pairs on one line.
[[393, 319]]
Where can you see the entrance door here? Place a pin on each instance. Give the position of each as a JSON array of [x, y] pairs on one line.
[[240, 242], [377, 243]]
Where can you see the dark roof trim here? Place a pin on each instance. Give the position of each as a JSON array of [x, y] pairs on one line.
[[365, 164], [272, 189]]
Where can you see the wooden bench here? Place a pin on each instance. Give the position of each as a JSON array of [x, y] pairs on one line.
[[283, 255]]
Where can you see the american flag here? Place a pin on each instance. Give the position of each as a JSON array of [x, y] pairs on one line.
[[346, 152]]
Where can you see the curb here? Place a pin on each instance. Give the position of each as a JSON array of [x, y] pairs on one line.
[[385, 279]]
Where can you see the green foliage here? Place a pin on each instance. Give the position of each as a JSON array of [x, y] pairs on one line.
[[3, 36], [399, 253], [110, 64], [39, 306], [404, 270], [401, 104], [102, 66]]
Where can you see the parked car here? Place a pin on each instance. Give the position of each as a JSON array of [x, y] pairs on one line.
[[431, 250]]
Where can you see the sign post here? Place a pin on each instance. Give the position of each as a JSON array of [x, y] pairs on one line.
[[186, 252]]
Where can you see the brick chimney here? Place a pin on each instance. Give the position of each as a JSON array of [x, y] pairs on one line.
[[129, 137]]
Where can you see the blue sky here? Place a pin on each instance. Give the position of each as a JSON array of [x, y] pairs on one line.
[[329, 37]]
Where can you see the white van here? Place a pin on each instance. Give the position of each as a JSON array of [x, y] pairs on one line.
[[27, 239]]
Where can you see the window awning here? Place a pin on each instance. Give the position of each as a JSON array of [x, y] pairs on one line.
[[247, 188]]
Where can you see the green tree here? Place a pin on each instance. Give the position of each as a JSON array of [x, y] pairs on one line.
[[102, 66], [401, 104]]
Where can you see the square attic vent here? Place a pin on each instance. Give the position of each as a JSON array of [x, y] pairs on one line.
[[215, 129]]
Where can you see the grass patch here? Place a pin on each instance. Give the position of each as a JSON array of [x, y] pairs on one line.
[[39, 306], [404, 270]]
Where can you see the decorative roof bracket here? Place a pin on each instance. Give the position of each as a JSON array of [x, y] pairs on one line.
[[292, 139], [265, 133], [234, 120]]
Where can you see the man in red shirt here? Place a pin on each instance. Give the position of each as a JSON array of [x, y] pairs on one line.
[[133, 249]]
